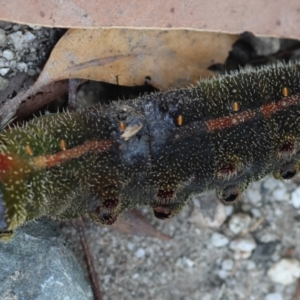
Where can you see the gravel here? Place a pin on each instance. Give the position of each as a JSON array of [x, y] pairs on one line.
[[285, 271]]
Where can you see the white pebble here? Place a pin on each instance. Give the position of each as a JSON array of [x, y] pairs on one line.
[[8, 54], [254, 196], [285, 271], [3, 62], [130, 246], [188, 262], [35, 27], [250, 265], [229, 210], [22, 67], [227, 264], [296, 197], [140, 253], [273, 296], [29, 36], [281, 194], [246, 244], [242, 247], [223, 274], [4, 71], [270, 184], [256, 213], [13, 64], [203, 220], [219, 240], [184, 262], [267, 236], [239, 223]]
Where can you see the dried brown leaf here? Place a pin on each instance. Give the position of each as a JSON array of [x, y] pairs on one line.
[[128, 56], [261, 17]]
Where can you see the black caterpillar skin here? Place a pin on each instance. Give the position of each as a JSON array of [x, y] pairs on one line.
[[157, 150]]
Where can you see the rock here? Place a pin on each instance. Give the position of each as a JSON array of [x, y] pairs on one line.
[[242, 247], [281, 194], [286, 271], [4, 62], [13, 64], [227, 264], [4, 71], [140, 253], [22, 67], [223, 274], [229, 210], [184, 262], [264, 251], [211, 213], [273, 296], [36, 264], [250, 265], [239, 223], [31, 72], [296, 197], [2, 37], [8, 54], [267, 235], [219, 240], [254, 196], [20, 40], [256, 213], [270, 183]]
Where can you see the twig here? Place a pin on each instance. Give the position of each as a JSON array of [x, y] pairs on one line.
[[297, 292], [89, 259]]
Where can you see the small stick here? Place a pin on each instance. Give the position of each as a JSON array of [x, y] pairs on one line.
[[297, 292], [89, 260]]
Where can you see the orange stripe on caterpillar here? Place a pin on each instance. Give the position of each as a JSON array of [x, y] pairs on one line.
[[238, 118], [229, 121], [274, 107], [48, 161]]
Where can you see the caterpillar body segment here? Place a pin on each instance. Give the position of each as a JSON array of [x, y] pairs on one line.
[[157, 150]]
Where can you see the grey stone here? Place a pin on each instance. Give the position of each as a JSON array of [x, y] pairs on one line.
[[31, 72], [219, 240], [36, 265], [8, 54]]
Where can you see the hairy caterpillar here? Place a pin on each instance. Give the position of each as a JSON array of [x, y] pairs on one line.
[[156, 150]]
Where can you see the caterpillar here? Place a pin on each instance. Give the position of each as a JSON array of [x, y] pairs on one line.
[[159, 149]]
